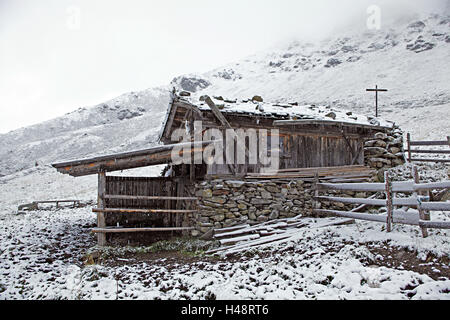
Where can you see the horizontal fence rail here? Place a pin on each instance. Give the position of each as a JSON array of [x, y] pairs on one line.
[[412, 151]]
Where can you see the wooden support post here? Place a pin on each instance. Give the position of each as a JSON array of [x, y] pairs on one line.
[[388, 189], [215, 110], [101, 223], [316, 191], [422, 215], [408, 144]]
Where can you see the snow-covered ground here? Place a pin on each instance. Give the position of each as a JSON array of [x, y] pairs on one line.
[[42, 253], [43, 258]]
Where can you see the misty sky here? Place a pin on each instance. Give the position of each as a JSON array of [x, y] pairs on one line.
[[56, 56]]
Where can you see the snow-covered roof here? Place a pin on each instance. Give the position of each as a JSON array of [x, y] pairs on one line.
[[288, 111]]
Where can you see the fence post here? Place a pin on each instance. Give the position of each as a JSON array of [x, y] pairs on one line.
[[408, 144], [316, 190], [422, 215], [388, 188], [101, 223]]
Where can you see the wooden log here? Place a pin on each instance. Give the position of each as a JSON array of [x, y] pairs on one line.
[[239, 239], [130, 197], [126, 230], [434, 224], [131, 210]]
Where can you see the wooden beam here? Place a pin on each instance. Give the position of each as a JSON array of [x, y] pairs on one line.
[[388, 188], [430, 143], [429, 151], [124, 230], [131, 210], [415, 173], [434, 224], [410, 202], [217, 112], [125, 197], [101, 222], [429, 160], [404, 186], [128, 160], [327, 122], [223, 121], [408, 143]]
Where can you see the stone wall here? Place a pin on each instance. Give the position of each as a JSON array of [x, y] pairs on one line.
[[224, 203], [385, 150]]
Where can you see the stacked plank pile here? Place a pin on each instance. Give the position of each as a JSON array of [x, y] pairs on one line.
[[245, 237], [354, 173]]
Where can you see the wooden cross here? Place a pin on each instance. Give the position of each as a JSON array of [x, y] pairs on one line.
[[376, 97]]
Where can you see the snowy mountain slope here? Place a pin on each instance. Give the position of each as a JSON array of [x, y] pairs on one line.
[[408, 58], [129, 121]]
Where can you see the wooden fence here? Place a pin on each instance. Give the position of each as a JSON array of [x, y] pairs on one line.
[[149, 195], [410, 151], [397, 208]]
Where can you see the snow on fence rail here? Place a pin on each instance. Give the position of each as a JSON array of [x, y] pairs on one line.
[[421, 202], [427, 151]]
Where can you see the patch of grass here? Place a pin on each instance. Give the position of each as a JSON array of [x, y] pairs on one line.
[[186, 246]]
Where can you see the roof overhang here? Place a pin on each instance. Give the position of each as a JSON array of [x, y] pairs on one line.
[[128, 160]]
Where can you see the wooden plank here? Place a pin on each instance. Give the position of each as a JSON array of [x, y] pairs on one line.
[[430, 143], [397, 218], [429, 151], [131, 210], [404, 186], [410, 202], [126, 230], [434, 224], [223, 121], [429, 160], [223, 230], [326, 122], [408, 143], [125, 197], [238, 239]]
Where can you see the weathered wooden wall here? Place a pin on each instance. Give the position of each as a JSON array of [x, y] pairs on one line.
[[297, 150], [146, 186], [301, 145]]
